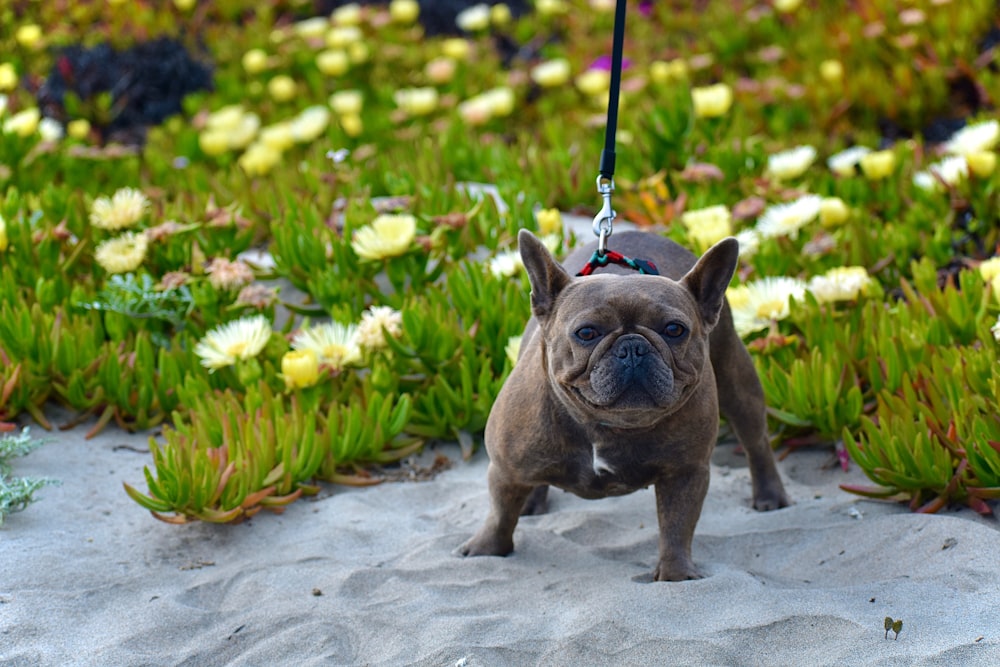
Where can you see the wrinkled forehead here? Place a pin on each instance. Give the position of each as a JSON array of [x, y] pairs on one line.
[[631, 296]]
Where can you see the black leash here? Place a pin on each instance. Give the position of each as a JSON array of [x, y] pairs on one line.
[[606, 176]]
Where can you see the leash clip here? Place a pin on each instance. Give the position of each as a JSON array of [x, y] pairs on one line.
[[604, 219]]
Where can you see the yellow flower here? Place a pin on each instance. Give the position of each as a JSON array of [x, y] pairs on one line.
[[23, 123], [791, 163], [843, 283], [833, 211], [121, 211], [982, 163], [233, 341], [990, 269], [342, 37], [387, 236], [474, 18], [351, 124], [8, 76], [344, 102], [347, 15], [513, 348], [593, 82], [831, 71], [300, 368], [878, 165], [310, 124], [665, 71], [550, 7], [788, 219], [185, 5], [278, 136], [551, 73], [787, 6], [29, 36], [123, 253], [404, 12], [228, 128], [259, 159], [281, 88], [312, 28], [456, 48], [255, 61], [549, 221], [79, 128], [706, 226], [4, 243], [500, 14], [712, 101], [358, 53], [416, 101], [375, 322], [335, 344]]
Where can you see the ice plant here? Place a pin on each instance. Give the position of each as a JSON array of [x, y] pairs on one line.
[[982, 163], [300, 368], [310, 124], [387, 236], [506, 264], [788, 219], [666, 71], [234, 341], [259, 159], [120, 211], [749, 241], [878, 165], [404, 12], [551, 73], [759, 303], [123, 253], [474, 18], [8, 76], [347, 102], [416, 101], [847, 161], [712, 101], [281, 88], [375, 323], [333, 62], [833, 211], [949, 171], [549, 221], [843, 283], [334, 344], [226, 275], [706, 226], [791, 163], [974, 138], [23, 123], [255, 61]]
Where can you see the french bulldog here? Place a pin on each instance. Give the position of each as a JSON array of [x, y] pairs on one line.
[[619, 385]]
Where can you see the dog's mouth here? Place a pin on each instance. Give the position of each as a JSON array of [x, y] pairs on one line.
[[633, 408]]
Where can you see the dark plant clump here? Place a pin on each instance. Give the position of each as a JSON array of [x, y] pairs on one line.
[[122, 92]]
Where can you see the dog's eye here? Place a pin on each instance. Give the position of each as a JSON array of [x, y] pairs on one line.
[[587, 334], [674, 330]]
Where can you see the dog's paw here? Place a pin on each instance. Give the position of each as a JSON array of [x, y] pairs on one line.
[[485, 546], [676, 571], [768, 499]]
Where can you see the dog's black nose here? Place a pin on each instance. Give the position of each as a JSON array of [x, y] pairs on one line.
[[631, 348]]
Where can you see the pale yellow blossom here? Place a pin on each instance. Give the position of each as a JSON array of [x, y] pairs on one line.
[[335, 344], [387, 236], [375, 323], [843, 283], [712, 101], [300, 368], [120, 211], [234, 341], [123, 253]]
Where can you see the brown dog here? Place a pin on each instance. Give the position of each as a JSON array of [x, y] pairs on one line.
[[619, 385]]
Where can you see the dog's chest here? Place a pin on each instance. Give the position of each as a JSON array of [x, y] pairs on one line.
[[600, 471]]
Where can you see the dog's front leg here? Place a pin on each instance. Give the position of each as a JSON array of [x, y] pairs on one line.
[[679, 497], [496, 537]]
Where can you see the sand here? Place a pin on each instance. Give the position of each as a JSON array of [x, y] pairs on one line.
[[369, 577]]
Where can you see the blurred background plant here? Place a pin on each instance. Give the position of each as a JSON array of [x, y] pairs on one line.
[[303, 214]]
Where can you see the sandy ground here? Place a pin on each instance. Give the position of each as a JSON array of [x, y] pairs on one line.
[[368, 576]]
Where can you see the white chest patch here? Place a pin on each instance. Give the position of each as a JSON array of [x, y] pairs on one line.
[[600, 465]]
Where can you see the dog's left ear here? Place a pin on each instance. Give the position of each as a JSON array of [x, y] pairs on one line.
[[710, 277], [547, 277]]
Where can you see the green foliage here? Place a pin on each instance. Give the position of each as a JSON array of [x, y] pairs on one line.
[[17, 492]]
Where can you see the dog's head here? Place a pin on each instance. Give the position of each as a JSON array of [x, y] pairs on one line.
[[626, 350]]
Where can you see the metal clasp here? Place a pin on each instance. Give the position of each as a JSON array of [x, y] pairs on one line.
[[604, 219]]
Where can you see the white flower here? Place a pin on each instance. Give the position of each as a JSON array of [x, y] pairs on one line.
[[50, 129], [123, 253], [474, 18], [506, 264], [996, 330], [310, 124], [122, 210], [974, 138], [416, 101], [845, 163], [334, 343], [756, 304], [788, 219], [551, 73], [230, 342], [949, 171], [791, 163], [749, 241], [375, 322], [843, 283]]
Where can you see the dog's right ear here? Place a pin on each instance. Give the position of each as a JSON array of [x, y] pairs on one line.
[[547, 277]]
